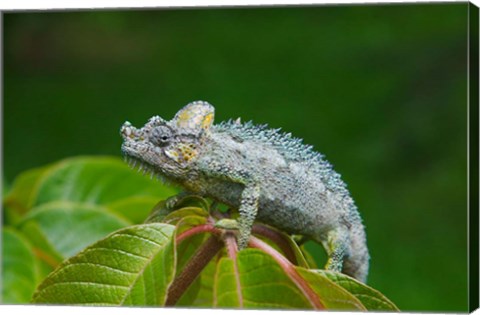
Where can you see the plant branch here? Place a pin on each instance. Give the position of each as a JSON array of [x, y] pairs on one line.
[[290, 271], [192, 269], [197, 230]]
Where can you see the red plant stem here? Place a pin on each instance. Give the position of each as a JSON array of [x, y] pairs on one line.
[[232, 249], [197, 230], [231, 245], [278, 239], [192, 269], [290, 271]]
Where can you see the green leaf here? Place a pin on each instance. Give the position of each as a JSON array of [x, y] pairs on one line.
[[332, 296], [20, 269], [158, 212], [281, 242], [69, 227], [255, 280], [188, 205], [193, 201], [5, 186], [178, 215], [370, 298], [106, 181], [42, 247], [308, 257], [95, 180], [24, 190], [133, 266]]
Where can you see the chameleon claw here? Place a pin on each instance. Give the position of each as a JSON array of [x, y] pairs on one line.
[[171, 202], [227, 224]]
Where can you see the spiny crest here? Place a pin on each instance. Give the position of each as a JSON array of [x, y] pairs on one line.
[[293, 149]]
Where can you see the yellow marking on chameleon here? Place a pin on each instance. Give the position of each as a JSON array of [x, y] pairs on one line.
[[188, 151], [207, 121], [195, 116], [185, 116], [173, 153]]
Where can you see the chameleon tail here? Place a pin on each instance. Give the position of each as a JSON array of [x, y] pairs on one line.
[[356, 260], [347, 250]]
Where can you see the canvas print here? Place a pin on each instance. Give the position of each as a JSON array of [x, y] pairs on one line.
[[273, 157]]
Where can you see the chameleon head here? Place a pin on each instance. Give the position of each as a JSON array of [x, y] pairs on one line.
[[166, 148]]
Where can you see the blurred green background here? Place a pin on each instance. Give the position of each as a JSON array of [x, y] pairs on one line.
[[379, 89]]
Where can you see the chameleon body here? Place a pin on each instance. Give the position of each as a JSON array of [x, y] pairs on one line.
[[264, 173]]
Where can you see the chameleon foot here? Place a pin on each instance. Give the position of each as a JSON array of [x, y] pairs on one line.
[[172, 201], [227, 224]]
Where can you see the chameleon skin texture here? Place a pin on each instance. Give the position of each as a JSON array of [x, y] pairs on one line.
[[267, 175]]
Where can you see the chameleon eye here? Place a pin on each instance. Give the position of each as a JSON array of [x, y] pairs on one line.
[[161, 136]]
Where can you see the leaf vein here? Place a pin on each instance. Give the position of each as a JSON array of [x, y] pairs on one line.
[[86, 283], [378, 300], [157, 231], [100, 265], [147, 240], [140, 274], [117, 250], [266, 284]]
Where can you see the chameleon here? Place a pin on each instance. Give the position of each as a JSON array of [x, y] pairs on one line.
[[266, 174]]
